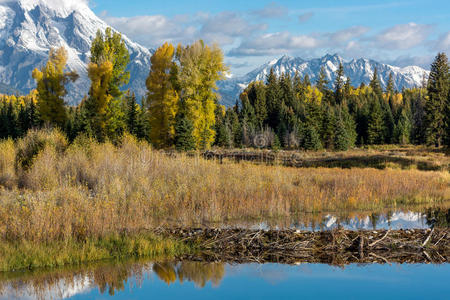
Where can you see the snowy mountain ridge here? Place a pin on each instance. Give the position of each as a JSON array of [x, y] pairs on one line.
[[358, 70], [30, 28]]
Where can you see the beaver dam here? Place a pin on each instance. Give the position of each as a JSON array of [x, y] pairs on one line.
[[337, 247]]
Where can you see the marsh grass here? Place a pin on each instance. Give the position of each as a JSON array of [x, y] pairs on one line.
[[72, 194], [23, 254]]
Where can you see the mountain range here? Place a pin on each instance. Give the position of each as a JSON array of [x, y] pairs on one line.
[[29, 28], [359, 71]]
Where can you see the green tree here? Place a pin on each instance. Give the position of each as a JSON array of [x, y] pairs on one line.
[[322, 81], [436, 108], [375, 84], [339, 85], [200, 67], [111, 47], [184, 129], [375, 125], [402, 131], [51, 86]]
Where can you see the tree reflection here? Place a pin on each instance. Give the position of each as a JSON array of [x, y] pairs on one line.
[[108, 277], [197, 272]]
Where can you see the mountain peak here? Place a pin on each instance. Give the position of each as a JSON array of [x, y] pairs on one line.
[[56, 7], [30, 28], [358, 71]]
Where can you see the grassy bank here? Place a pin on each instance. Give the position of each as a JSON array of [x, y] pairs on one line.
[[53, 193], [23, 254]]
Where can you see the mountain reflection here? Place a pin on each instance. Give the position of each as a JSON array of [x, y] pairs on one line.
[[109, 278]]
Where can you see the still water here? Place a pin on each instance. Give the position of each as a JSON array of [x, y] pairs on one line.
[[195, 280]]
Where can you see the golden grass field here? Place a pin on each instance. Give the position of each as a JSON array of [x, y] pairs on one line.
[[53, 192], [92, 190]]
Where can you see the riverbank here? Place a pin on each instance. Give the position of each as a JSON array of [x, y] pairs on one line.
[[335, 247]]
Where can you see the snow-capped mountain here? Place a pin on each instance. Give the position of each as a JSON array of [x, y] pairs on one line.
[[29, 28], [359, 71]]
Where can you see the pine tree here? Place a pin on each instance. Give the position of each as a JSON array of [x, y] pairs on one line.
[[339, 85], [184, 138], [51, 81], [329, 127], [322, 81], [375, 84], [341, 140], [132, 115], [311, 139], [436, 108], [375, 124], [390, 86], [273, 96], [402, 130]]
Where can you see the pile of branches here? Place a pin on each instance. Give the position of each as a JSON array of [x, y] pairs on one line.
[[337, 247]]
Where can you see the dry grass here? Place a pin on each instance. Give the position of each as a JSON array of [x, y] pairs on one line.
[[380, 157], [92, 190]]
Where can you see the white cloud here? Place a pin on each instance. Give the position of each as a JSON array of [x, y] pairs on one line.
[[275, 43], [403, 36], [224, 28], [272, 10], [443, 43], [344, 35]]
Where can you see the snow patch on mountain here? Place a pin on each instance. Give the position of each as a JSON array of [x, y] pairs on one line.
[[30, 28], [358, 70]]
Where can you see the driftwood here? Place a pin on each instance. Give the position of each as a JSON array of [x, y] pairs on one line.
[[337, 247]]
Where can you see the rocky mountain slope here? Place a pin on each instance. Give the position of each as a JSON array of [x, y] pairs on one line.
[[29, 28], [359, 71]]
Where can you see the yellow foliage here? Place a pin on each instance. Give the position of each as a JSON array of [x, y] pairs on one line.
[[162, 97], [201, 67]]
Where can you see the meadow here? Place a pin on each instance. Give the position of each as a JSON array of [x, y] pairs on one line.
[[64, 203]]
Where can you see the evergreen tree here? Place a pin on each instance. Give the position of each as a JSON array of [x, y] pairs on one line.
[[402, 130], [132, 116], [273, 96], [390, 86], [375, 125], [311, 139], [322, 81], [376, 85], [436, 108], [339, 85], [184, 138]]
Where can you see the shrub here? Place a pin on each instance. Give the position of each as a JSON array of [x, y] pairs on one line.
[[34, 142]]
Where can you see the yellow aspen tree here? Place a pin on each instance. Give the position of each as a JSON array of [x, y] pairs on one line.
[[201, 67], [97, 102], [162, 98], [51, 81]]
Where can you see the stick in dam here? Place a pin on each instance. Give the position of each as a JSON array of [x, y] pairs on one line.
[[338, 247]]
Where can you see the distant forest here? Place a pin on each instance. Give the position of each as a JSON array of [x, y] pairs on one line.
[[182, 110]]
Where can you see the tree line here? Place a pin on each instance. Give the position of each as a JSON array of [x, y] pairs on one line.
[[182, 110]]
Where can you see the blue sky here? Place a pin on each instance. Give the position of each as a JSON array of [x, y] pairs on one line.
[[252, 32]]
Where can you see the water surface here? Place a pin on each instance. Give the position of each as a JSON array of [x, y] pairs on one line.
[[196, 280]]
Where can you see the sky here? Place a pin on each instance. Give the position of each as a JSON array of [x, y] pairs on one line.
[[252, 32]]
